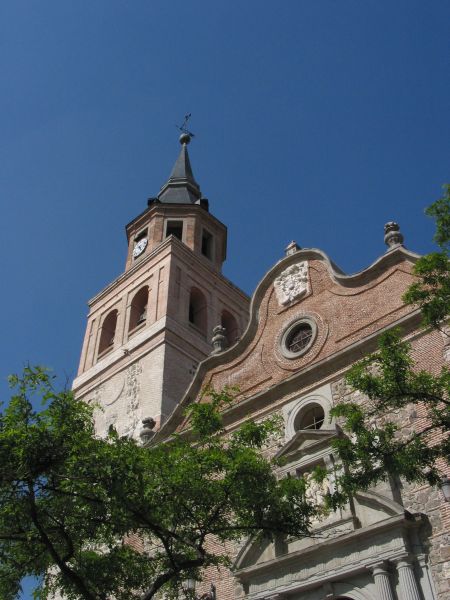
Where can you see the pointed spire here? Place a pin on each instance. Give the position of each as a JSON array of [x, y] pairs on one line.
[[181, 187]]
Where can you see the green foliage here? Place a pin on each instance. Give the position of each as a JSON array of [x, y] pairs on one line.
[[70, 502], [431, 291], [376, 445], [440, 211], [381, 442]]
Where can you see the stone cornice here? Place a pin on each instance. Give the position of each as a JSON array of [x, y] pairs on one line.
[[132, 346], [187, 255], [396, 522], [164, 245], [172, 207], [117, 354], [168, 244]]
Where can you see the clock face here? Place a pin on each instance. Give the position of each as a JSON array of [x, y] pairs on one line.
[[139, 247]]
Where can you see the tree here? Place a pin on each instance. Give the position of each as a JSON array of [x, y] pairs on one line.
[[377, 446], [101, 518]]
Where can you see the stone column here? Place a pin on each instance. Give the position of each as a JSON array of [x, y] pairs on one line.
[[382, 581], [407, 580]]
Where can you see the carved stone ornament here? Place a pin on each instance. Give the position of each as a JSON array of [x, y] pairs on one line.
[[316, 492], [292, 283], [219, 339], [147, 433]]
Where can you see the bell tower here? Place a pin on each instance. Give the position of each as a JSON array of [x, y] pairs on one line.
[[149, 328]]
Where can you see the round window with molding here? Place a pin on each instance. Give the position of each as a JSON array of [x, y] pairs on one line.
[[312, 416], [298, 338]]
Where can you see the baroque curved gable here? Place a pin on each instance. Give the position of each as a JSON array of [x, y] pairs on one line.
[[346, 310]]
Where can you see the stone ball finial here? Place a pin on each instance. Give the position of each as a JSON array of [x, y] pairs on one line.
[[219, 339], [147, 433], [185, 138], [392, 235]]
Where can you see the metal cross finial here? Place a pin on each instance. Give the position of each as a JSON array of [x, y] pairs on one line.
[[183, 127]]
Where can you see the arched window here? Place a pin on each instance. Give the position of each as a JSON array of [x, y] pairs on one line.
[[108, 332], [231, 327], [138, 309], [197, 310], [312, 416]]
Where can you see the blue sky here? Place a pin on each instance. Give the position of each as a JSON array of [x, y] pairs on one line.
[[316, 121]]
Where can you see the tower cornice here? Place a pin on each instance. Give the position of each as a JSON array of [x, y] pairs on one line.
[[165, 246], [161, 208]]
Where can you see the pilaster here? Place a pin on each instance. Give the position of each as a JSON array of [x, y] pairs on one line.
[[427, 583]]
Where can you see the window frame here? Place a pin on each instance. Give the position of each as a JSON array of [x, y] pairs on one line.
[[179, 222], [132, 307], [101, 352], [288, 331], [211, 244]]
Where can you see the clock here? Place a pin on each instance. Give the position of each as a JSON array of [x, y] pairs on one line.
[[139, 247]]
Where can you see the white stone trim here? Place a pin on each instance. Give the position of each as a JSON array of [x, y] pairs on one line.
[[340, 591], [288, 330], [322, 397], [181, 220]]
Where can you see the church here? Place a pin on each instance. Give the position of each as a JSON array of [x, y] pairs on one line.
[[172, 324]]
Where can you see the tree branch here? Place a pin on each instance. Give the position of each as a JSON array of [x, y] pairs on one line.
[[64, 568], [165, 577]]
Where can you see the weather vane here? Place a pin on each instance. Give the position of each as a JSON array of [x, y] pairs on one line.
[[183, 127]]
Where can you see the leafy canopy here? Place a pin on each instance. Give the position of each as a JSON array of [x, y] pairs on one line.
[[381, 440], [107, 518], [431, 291]]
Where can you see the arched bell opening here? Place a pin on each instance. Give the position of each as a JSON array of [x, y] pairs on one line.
[[230, 325], [108, 332], [198, 310], [138, 309]]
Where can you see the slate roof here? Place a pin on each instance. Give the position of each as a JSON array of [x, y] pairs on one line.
[[181, 187]]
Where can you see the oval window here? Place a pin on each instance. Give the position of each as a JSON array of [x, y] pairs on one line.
[[298, 338]]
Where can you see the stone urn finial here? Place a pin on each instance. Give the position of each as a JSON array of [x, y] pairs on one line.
[[147, 433], [219, 339], [392, 235]]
